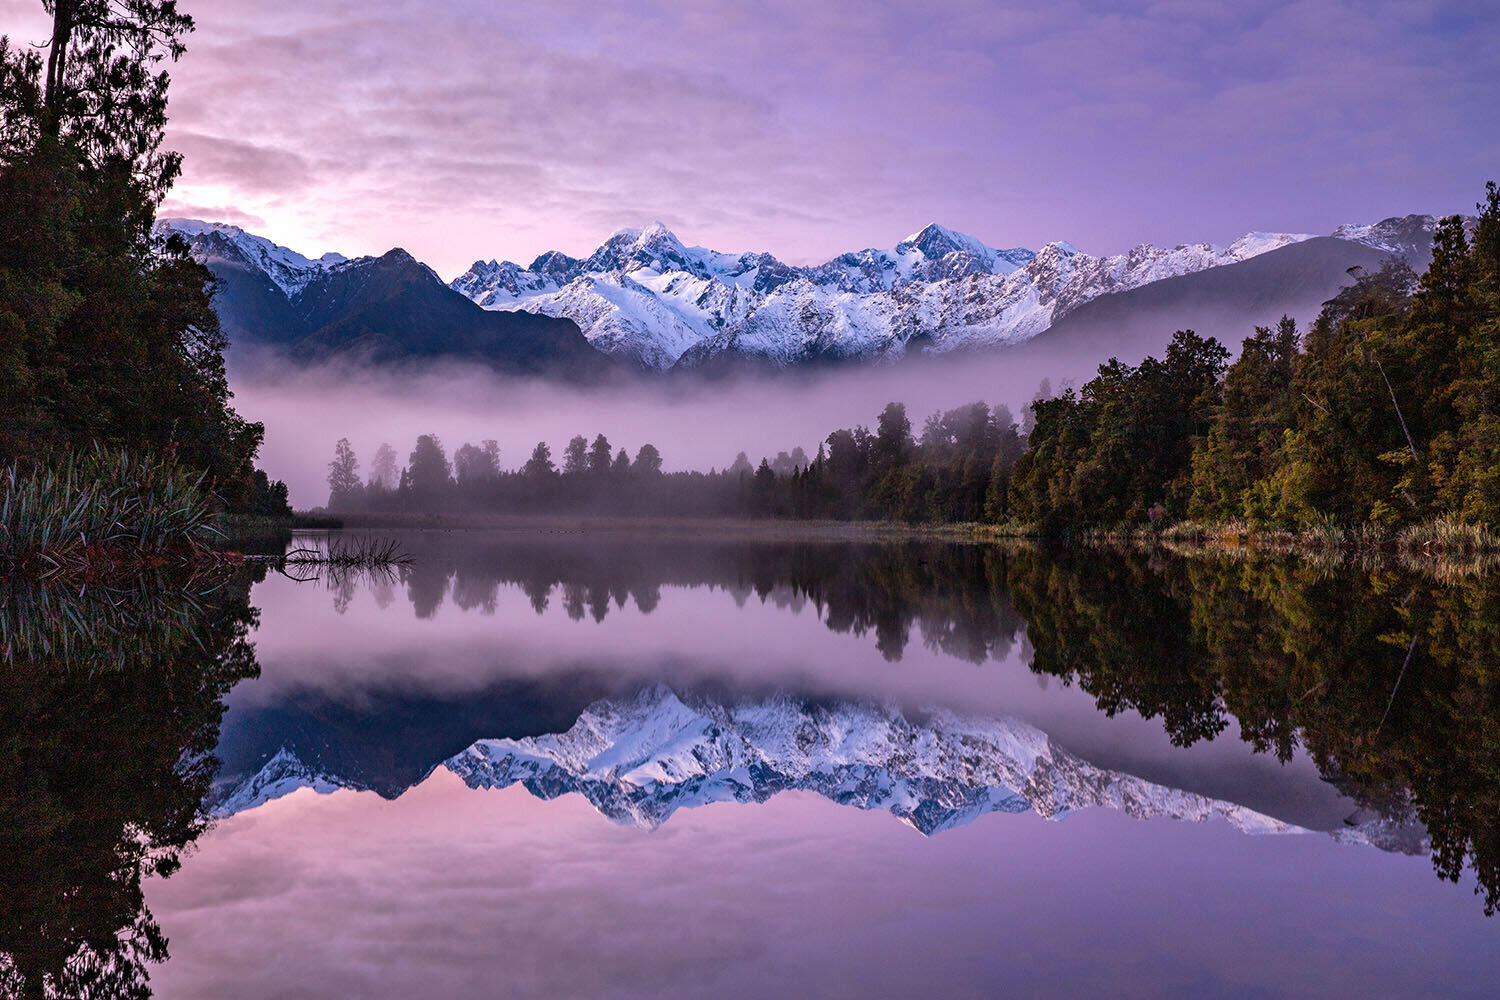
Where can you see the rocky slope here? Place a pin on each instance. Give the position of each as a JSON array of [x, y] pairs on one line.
[[646, 297], [385, 309]]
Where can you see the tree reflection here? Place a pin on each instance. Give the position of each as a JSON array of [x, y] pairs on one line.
[[1386, 677], [952, 595], [110, 707]]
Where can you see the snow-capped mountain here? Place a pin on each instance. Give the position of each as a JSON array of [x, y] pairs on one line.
[[287, 269], [383, 309], [1407, 236], [639, 759], [646, 297]]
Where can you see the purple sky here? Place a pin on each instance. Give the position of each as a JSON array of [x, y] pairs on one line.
[[463, 129]]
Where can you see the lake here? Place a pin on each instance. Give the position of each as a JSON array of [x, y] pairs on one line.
[[543, 762]]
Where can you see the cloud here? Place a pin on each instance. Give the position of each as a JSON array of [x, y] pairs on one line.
[[464, 130], [243, 166], [175, 208]]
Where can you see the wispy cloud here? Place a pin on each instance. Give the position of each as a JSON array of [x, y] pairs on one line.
[[465, 129]]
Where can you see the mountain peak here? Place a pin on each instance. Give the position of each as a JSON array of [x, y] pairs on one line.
[[656, 230], [935, 241]]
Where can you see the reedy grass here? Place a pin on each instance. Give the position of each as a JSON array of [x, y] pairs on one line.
[[99, 628], [98, 510]]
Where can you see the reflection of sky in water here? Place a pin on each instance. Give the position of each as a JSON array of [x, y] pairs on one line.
[[450, 892]]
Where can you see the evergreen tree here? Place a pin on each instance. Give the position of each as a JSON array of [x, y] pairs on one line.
[[383, 470], [539, 466], [344, 487], [599, 456], [1256, 409], [429, 474], [475, 466], [576, 456], [647, 462]]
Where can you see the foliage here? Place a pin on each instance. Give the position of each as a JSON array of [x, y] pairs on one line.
[[1385, 679], [958, 471], [94, 509], [1121, 450], [110, 708], [106, 330], [1387, 416]]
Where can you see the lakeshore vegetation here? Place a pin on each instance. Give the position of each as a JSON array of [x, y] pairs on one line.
[[108, 341]]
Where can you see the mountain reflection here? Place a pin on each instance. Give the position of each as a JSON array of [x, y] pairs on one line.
[[1383, 676], [110, 707]]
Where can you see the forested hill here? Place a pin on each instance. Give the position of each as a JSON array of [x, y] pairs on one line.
[[1385, 415]]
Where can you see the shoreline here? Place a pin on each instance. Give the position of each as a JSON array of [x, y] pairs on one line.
[[1422, 547]]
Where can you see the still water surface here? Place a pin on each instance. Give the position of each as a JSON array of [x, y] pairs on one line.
[[549, 764]]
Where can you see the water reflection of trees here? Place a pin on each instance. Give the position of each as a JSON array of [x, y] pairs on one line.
[[110, 707], [952, 595], [1386, 678]]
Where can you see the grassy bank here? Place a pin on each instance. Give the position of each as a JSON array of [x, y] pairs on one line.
[[1437, 537]]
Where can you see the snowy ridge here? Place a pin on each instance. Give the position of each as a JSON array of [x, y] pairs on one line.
[[639, 761], [283, 774], [645, 296], [1405, 235], [287, 269]]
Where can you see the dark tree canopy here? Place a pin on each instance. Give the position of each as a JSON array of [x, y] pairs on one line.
[[106, 330]]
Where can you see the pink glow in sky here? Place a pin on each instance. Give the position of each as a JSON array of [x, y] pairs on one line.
[[466, 129], [449, 892]]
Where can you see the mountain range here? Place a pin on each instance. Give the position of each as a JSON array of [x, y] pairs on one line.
[[639, 758], [649, 302]]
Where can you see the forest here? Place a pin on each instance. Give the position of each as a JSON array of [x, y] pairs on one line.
[[1385, 414], [955, 471]]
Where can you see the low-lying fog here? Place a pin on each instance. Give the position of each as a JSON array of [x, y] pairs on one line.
[[696, 424]]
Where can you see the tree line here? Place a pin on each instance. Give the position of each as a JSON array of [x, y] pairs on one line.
[[1384, 415], [956, 470]]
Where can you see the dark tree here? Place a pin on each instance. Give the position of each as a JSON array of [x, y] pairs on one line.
[[539, 466], [599, 456], [647, 462], [576, 456], [344, 488], [107, 330], [430, 477]]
